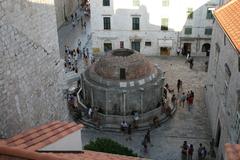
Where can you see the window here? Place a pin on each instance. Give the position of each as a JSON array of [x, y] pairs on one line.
[[209, 14], [165, 3], [218, 136], [225, 40], [164, 24], [121, 44], [208, 31], [188, 31], [238, 63], [216, 59], [148, 43], [238, 101], [136, 45], [228, 73], [122, 74], [106, 23], [135, 23], [136, 2], [107, 47], [106, 2], [190, 13]]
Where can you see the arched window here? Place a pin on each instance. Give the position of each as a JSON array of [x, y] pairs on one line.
[[205, 47]]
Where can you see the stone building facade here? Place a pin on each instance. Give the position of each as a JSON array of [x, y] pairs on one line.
[[30, 67], [64, 9], [223, 84], [158, 27]]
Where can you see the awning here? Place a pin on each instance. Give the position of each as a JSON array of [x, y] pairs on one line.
[[165, 43]]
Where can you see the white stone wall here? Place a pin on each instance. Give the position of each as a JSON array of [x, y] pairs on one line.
[[150, 13], [221, 103], [30, 66], [65, 8]]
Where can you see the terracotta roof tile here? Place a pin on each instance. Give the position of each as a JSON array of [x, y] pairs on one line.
[[90, 155], [228, 17], [13, 153], [41, 136], [25, 145], [2, 141], [31, 131]]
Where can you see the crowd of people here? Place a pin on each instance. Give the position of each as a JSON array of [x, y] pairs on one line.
[[72, 57], [188, 149], [76, 19], [179, 99]]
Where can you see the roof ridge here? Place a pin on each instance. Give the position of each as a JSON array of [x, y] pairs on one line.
[[226, 4], [21, 153], [30, 131], [229, 20]]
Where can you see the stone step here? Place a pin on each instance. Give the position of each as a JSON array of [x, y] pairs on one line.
[[116, 128]]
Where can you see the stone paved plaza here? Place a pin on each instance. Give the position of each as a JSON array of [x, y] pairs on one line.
[[190, 126]]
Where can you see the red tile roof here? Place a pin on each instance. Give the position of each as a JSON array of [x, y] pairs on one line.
[[13, 153], [232, 151], [91, 155], [228, 17], [24, 145], [39, 137]]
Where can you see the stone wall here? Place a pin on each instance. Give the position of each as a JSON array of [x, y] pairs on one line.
[[65, 8], [30, 66], [221, 91]]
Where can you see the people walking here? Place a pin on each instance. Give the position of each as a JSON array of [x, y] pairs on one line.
[[85, 25], [73, 23], [204, 153], [76, 15], [184, 150], [81, 21], [79, 43], [179, 85], [200, 148], [182, 99], [192, 94], [190, 152], [129, 132], [173, 100], [148, 138], [144, 143], [191, 62], [178, 51], [72, 17], [187, 99]]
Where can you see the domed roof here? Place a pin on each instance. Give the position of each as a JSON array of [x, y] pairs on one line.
[[123, 64]]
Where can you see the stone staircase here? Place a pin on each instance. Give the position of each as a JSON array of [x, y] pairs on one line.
[[116, 128]]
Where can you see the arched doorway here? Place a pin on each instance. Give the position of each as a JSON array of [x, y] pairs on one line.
[[206, 48]]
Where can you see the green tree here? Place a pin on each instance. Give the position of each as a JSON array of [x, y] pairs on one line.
[[109, 146]]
